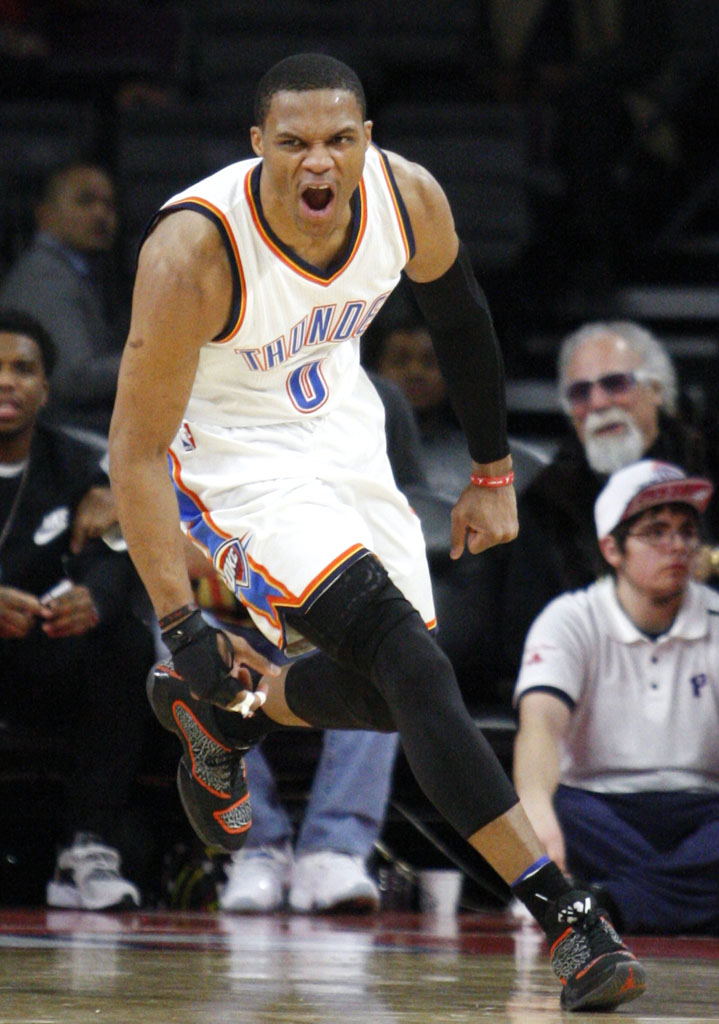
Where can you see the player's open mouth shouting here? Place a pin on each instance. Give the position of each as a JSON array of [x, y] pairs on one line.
[[317, 199]]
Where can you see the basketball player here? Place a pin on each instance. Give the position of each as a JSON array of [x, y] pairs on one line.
[[253, 289]]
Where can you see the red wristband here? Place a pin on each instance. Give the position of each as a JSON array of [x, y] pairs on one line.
[[492, 481]]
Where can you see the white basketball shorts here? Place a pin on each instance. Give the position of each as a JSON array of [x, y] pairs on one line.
[[281, 510]]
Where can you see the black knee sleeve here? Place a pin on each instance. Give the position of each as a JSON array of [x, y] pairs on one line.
[[333, 696], [333, 689], [353, 615]]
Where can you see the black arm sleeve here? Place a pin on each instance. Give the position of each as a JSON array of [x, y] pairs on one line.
[[462, 332]]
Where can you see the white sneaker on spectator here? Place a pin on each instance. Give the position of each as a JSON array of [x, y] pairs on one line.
[[331, 881], [257, 879], [87, 877]]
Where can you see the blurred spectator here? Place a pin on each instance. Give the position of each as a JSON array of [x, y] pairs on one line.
[[19, 38], [617, 754], [74, 656], [24, 48], [617, 93], [399, 349], [129, 51], [64, 279], [619, 389]]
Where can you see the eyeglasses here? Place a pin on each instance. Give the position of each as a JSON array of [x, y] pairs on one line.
[[612, 384], [661, 536]]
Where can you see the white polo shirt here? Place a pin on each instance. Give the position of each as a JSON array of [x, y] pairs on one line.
[[645, 712]]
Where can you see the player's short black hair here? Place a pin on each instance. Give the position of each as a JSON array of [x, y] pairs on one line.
[[14, 321], [303, 72]]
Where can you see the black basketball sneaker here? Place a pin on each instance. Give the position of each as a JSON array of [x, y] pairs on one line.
[[211, 774], [596, 969]]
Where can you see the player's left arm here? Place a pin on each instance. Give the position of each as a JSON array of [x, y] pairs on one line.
[[463, 335]]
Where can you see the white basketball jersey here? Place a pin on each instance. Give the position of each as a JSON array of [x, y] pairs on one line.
[[291, 347]]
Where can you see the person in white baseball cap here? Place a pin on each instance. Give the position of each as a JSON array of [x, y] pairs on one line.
[[643, 485], [617, 753]]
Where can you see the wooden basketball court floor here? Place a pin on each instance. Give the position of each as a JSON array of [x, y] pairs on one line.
[[71, 967]]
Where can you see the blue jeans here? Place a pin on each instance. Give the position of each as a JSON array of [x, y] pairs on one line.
[[348, 799]]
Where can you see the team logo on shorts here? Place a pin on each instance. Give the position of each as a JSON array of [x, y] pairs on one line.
[[231, 561]]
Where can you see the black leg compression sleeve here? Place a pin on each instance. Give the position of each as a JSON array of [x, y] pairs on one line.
[[333, 620], [369, 628], [333, 696], [450, 758]]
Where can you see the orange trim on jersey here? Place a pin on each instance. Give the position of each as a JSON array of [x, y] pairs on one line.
[[284, 256], [216, 212], [328, 570], [289, 600], [179, 482], [201, 507], [400, 212]]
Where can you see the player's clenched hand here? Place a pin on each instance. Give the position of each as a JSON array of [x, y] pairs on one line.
[[18, 612], [215, 666], [483, 517], [72, 614]]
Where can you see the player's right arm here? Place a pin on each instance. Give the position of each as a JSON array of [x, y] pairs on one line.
[[181, 300], [543, 723]]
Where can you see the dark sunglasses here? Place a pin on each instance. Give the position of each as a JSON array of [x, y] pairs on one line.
[[612, 384]]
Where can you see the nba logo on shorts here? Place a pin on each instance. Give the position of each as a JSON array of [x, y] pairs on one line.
[[186, 439]]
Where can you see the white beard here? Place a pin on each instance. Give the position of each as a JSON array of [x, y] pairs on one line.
[[608, 454]]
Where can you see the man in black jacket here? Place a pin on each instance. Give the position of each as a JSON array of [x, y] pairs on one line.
[[73, 654], [619, 389]]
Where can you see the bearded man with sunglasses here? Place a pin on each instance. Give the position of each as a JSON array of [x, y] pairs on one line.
[[617, 755], [619, 389]]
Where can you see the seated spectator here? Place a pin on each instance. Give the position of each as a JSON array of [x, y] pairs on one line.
[[619, 389], [70, 644], [617, 755], [403, 354], [64, 280]]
